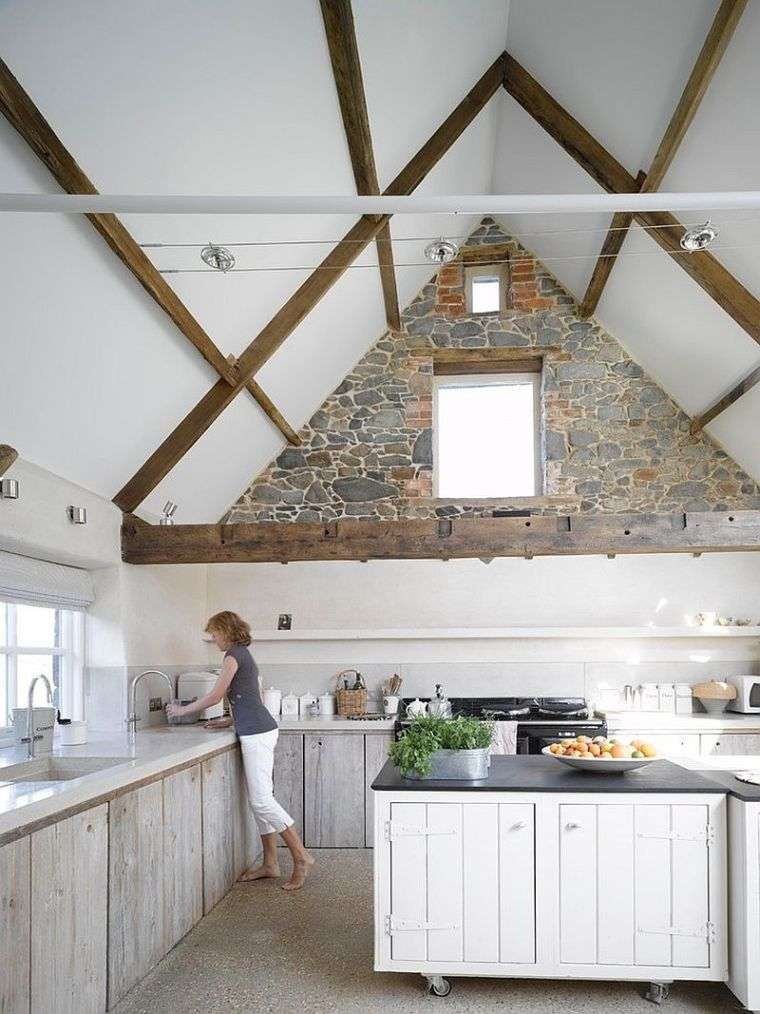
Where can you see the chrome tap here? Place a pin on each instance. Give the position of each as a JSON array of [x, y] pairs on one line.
[[33, 735], [132, 720]]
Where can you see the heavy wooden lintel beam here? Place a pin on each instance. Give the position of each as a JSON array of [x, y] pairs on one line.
[[306, 297], [565, 535]]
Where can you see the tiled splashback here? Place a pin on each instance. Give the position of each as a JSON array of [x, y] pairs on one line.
[[530, 675]]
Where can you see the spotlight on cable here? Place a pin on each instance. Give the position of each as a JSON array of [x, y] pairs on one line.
[[699, 237], [167, 514]]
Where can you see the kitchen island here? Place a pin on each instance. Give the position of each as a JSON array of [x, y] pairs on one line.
[[546, 872]]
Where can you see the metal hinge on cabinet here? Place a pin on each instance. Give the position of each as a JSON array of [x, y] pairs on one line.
[[393, 925], [706, 932], [394, 830], [707, 836]]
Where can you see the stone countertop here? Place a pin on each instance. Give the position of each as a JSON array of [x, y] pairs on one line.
[[336, 723], [665, 722], [544, 774], [721, 770], [155, 751]]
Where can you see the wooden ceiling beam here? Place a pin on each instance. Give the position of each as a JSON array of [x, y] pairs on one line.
[[722, 28], [347, 71], [306, 297], [745, 384], [24, 116], [564, 535], [664, 228]]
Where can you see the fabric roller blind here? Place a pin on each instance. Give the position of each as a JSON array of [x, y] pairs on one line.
[[39, 583]]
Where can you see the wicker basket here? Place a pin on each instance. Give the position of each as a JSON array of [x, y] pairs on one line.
[[350, 702]]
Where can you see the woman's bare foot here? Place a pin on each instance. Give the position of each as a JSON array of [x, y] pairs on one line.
[[301, 870], [259, 873]]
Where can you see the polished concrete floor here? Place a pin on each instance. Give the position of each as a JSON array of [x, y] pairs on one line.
[[263, 950]]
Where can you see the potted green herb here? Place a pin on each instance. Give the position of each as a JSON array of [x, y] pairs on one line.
[[443, 748]]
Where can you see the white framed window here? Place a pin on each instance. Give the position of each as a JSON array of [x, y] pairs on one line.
[[487, 435], [40, 639], [486, 288]]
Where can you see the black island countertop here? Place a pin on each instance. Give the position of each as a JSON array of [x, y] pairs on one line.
[[529, 773]]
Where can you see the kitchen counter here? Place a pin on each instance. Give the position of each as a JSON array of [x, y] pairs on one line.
[[720, 770], [660, 721], [544, 774], [26, 806], [336, 723]]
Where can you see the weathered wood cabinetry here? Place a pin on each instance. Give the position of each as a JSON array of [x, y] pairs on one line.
[[69, 898], [15, 881], [136, 935], [730, 743], [182, 854], [219, 805], [288, 776], [334, 790]]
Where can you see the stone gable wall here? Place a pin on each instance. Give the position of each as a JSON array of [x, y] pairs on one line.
[[612, 440]]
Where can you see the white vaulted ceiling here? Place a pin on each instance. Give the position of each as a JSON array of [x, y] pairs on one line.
[[239, 97]]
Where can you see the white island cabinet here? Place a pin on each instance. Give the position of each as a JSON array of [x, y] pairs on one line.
[[517, 877], [744, 873]]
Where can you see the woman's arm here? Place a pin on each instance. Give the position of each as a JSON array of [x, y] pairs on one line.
[[230, 667]]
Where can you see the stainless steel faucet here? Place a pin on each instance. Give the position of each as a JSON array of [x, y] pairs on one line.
[[33, 735], [132, 720]]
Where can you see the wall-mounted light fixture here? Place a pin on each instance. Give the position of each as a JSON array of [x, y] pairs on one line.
[[78, 515], [167, 514], [9, 489]]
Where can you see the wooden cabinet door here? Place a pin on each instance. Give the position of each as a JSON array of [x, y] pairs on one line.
[[218, 828], [183, 854], [730, 743], [69, 925], [462, 882], [634, 885], [376, 747], [14, 926], [334, 790], [135, 888], [288, 775]]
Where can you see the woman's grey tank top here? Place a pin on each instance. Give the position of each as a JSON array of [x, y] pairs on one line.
[[248, 711]]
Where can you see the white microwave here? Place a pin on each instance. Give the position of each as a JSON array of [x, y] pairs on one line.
[[747, 700]]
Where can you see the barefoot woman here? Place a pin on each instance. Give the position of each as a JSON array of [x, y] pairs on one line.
[[257, 731]]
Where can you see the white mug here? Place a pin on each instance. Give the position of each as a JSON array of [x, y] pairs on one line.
[[390, 704]]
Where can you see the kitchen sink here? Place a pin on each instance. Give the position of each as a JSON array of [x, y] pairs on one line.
[[56, 769]]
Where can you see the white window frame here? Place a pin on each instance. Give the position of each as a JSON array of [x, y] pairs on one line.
[[490, 380], [498, 271], [68, 661]]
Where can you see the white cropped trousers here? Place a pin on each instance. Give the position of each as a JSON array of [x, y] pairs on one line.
[[258, 763]]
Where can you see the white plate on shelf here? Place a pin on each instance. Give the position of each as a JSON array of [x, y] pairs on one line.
[[617, 765]]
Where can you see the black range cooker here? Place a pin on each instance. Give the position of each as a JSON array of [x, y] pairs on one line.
[[540, 720]]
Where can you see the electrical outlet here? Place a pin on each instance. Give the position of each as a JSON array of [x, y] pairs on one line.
[[155, 704]]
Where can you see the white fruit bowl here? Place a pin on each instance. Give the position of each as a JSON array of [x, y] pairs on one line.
[[616, 765]]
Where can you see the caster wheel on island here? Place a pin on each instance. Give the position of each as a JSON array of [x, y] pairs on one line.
[[438, 986], [658, 992]]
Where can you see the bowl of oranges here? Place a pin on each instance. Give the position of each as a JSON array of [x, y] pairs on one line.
[[602, 754]]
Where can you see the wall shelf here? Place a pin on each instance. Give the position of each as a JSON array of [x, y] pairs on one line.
[[500, 633]]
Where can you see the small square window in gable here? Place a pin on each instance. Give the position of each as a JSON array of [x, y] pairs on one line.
[[486, 288]]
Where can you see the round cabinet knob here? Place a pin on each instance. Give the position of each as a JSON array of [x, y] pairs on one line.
[[572, 827]]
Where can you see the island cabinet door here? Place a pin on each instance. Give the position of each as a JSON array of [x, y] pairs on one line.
[[462, 882], [135, 888], [69, 904], [219, 798], [634, 885]]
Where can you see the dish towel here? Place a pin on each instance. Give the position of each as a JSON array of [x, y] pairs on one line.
[[504, 738]]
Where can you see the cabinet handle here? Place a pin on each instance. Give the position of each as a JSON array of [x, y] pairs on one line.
[[519, 826], [573, 827]]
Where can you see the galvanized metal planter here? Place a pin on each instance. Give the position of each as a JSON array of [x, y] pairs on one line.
[[463, 765]]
